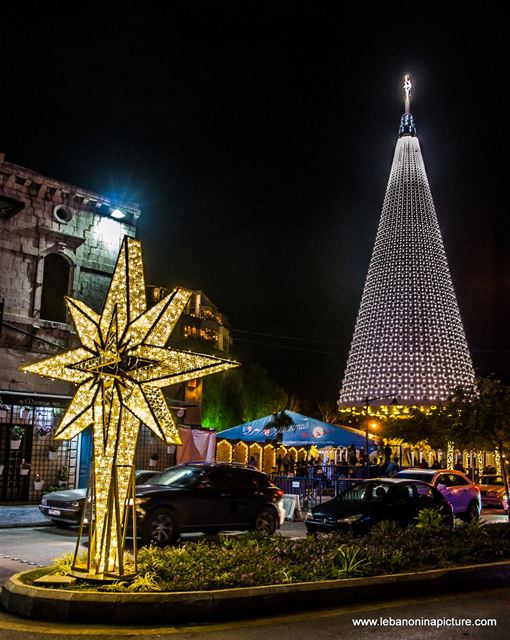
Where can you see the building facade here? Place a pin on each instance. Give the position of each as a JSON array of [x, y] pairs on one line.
[[55, 240], [409, 346], [202, 328]]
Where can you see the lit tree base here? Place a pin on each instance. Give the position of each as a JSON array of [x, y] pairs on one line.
[[84, 576]]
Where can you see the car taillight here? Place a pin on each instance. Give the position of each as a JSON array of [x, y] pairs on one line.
[[279, 493]]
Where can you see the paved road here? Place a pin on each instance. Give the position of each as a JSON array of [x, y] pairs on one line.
[[22, 548], [319, 625]]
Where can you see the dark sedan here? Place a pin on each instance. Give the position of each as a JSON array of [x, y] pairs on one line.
[[361, 506], [207, 498], [66, 506]]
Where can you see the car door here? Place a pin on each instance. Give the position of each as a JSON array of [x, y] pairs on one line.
[[401, 503], [463, 491], [211, 502], [424, 497], [247, 495], [452, 491]]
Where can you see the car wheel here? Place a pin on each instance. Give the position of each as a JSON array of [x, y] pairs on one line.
[[266, 521], [472, 512], [160, 528]]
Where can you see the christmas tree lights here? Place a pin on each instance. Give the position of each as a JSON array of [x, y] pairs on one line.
[[409, 342]]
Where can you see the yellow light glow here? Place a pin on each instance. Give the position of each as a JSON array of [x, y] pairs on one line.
[[450, 455], [497, 459], [120, 367]]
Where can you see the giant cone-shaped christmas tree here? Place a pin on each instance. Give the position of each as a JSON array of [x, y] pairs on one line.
[[409, 342]]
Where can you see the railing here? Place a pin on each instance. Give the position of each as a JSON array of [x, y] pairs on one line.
[[321, 482]]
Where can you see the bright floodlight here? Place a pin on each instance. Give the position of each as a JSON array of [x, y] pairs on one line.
[[118, 214]]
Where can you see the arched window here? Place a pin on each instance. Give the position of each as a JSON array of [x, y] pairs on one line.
[[55, 287]]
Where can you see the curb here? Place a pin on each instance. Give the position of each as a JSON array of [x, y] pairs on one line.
[[25, 525], [230, 604]]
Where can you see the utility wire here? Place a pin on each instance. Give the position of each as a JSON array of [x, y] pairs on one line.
[[273, 335], [289, 347]]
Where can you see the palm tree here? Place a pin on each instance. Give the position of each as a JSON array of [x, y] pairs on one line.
[[280, 422]]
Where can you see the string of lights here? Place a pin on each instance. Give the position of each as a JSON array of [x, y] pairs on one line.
[[408, 340]]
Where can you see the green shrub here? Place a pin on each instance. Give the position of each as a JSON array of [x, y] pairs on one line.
[[257, 559], [352, 562], [431, 521]]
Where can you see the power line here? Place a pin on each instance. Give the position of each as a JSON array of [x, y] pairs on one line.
[[273, 335], [289, 347]]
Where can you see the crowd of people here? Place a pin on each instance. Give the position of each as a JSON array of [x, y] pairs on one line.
[[350, 463]]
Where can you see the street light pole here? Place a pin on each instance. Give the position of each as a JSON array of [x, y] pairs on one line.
[[367, 404]]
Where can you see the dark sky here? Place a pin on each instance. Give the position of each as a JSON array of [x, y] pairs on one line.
[[258, 137]]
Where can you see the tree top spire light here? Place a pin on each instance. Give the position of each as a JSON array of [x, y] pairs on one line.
[[407, 90]]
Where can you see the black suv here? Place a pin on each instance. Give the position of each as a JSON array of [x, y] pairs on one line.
[[208, 498]]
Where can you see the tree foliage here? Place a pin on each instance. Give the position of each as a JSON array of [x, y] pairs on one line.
[[240, 395], [480, 419], [280, 421], [473, 418]]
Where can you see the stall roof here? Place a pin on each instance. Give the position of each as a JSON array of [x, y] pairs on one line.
[[304, 431]]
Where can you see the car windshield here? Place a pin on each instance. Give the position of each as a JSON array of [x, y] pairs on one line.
[[424, 477], [181, 477], [491, 480]]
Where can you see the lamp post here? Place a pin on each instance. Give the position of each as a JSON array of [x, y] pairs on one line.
[[368, 400]]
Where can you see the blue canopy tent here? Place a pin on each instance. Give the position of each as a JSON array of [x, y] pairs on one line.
[[305, 431]]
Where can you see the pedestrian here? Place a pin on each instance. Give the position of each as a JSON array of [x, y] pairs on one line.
[[387, 454], [279, 463], [393, 467], [286, 464]]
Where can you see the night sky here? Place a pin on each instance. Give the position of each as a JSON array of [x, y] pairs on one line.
[[258, 137]]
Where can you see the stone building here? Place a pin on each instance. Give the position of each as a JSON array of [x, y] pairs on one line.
[[202, 328], [56, 239]]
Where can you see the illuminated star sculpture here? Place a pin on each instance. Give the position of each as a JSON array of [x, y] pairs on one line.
[[119, 368]]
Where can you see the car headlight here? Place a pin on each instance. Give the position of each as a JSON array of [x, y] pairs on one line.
[[350, 519], [44, 500], [137, 501], [309, 516], [74, 504]]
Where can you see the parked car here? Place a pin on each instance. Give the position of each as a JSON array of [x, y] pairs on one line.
[[461, 492], [65, 507], [492, 490], [368, 502], [208, 498]]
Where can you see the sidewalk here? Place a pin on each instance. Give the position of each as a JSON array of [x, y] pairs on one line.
[[24, 515]]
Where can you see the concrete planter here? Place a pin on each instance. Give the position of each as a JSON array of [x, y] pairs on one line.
[[15, 445], [38, 485], [229, 604], [24, 472]]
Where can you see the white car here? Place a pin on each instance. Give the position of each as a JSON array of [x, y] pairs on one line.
[[461, 492]]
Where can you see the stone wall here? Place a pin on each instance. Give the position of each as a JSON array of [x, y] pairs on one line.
[[39, 217]]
